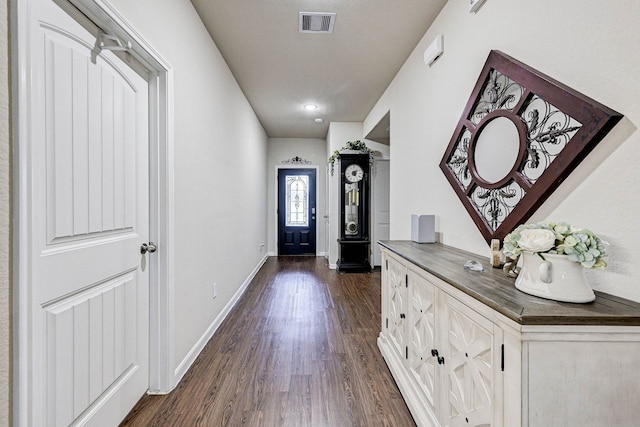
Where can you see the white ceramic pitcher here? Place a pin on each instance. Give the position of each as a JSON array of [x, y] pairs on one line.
[[554, 278]]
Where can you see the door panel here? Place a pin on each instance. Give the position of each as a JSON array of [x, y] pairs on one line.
[[296, 212], [91, 152], [91, 346], [89, 208]]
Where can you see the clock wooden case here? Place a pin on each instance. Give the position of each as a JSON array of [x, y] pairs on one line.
[[354, 242]]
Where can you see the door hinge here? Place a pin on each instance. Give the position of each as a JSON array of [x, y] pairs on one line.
[[406, 280], [386, 262], [387, 323], [502, 357], [406, 352]]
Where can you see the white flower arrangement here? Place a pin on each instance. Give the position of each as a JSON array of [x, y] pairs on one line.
[[579, 244]]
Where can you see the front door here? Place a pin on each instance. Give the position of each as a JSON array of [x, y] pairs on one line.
[[87, 215], [296, 212]]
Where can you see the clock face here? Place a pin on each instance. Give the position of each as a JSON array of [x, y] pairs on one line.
[[353, 173]]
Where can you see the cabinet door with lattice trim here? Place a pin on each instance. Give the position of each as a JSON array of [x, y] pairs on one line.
[[397, 303], [469, 364], [421, 335]]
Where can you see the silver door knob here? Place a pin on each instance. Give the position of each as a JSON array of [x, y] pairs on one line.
[[151, 248]]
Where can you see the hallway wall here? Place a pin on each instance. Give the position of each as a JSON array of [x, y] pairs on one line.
[[220, 168], [581, 43], [5, 212]]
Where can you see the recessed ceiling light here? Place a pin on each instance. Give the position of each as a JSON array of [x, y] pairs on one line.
[[310, 107], [318, 120]]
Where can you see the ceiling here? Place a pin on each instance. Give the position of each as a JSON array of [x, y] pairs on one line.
[[344, 73]]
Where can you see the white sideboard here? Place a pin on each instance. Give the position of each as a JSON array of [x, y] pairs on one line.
[[468, 349]]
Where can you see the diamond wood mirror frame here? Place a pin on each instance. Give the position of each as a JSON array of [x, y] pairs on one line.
[[556, 126]]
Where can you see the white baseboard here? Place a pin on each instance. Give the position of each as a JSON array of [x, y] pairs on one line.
[[191, 356], [319, 254]]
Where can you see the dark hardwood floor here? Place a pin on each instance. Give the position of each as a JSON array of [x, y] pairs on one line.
[[299, 349]]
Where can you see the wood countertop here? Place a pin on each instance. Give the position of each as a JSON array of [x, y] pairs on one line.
[[495, 289]]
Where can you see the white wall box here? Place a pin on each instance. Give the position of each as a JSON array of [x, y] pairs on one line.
[[434, 50], [423, 228], [468, 349]]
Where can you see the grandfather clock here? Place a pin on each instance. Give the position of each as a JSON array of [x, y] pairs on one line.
[[354, 214]]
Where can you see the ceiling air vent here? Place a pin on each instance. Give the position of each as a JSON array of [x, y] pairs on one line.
[[316, 22]]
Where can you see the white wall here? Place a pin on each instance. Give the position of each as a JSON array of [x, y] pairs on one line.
[[379, 150], [220, 167], [282, 149], [585, 44], [5, 212], [340, 133]]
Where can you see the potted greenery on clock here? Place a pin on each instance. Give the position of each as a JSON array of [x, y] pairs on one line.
[[357, 145]]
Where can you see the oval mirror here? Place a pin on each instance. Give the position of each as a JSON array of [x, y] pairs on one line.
[[496, 149]]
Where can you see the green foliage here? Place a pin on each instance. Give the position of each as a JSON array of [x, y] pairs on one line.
[[354, 146]]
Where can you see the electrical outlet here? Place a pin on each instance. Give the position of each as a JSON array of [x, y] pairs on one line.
[[215, 290]]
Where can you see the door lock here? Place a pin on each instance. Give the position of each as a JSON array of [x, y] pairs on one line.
[[151, 248]]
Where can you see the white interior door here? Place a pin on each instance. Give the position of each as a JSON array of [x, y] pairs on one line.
[[88, 209], [380, 189], [327, 216]]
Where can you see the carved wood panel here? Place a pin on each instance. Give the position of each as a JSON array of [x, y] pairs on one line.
[[421, 334], [469, 368], [396, 275]]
